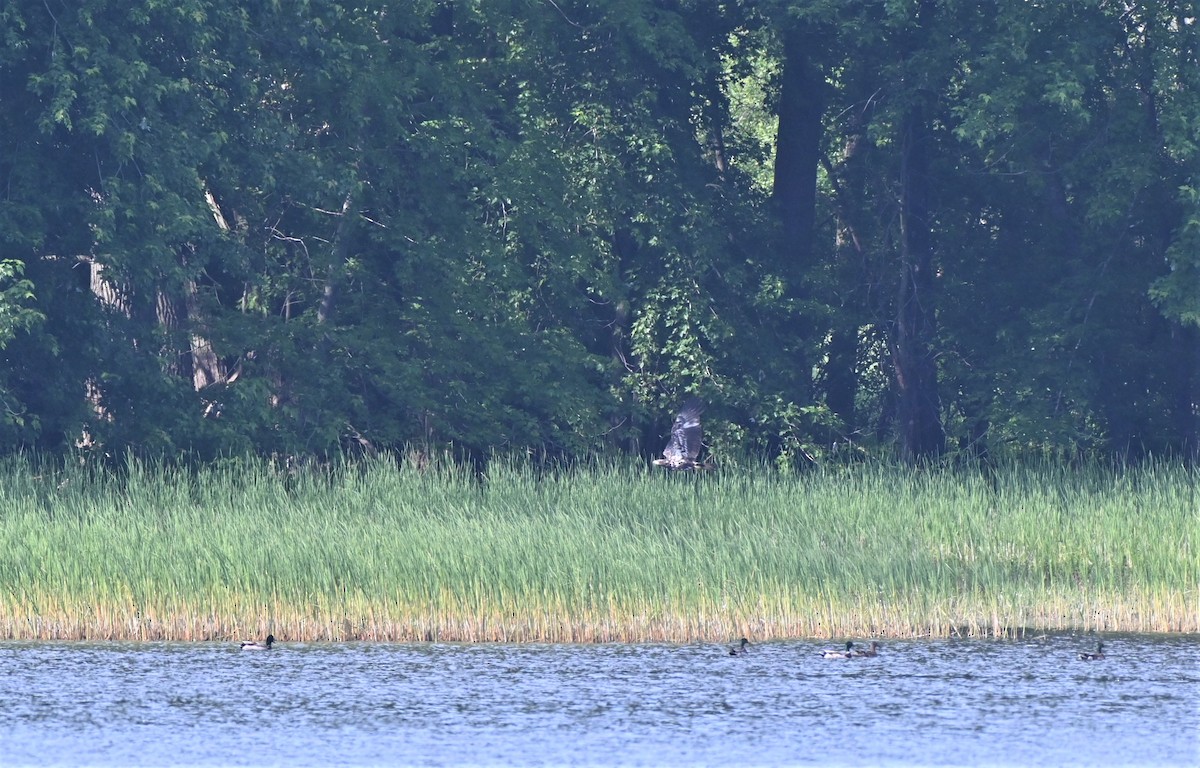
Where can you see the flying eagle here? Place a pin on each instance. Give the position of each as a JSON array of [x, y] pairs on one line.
[[684, 445]]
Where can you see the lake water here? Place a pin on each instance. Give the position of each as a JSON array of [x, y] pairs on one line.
[[958, 702]]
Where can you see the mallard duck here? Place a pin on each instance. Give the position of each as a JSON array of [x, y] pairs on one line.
[[846, 654], [740, 648], [264, 646], [872, 651], [1099, 654], [686, 436]]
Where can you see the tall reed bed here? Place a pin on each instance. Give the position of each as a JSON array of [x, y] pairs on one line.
[[608, 553]]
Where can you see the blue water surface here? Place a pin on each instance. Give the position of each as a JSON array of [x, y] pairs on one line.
[[955, 702]]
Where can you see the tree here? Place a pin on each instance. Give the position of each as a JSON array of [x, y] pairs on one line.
[[305, 229]]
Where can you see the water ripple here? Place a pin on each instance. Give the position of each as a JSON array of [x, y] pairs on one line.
[[929, 702]]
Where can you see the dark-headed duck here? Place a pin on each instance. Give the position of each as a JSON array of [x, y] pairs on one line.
[[264, 646], [1099, 654], [846, 654]]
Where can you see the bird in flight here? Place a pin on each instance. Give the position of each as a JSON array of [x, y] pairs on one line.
[[686, 435]]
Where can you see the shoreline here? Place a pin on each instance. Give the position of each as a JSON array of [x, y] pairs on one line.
[[104, 623]]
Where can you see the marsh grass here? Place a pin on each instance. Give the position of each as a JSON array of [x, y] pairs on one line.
[[607, 553]]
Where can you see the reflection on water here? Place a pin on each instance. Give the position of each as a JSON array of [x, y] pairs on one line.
[[920, 702]]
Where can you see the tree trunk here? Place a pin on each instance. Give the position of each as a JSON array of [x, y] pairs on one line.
[[918, 407], [1187, 342], [840, 377], [839, 380], [797, 153], [797, 148], [170, 311], [337, 269], [623, 422], [207, 368]]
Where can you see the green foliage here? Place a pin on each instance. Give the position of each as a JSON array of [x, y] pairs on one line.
[[16, 316], [431, 551], [1178, 292], [505, 226], [16, 294]]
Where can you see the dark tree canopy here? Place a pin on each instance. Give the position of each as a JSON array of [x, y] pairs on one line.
[[868, 228]]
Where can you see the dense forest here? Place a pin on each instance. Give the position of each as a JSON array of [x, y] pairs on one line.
[[912, 228]]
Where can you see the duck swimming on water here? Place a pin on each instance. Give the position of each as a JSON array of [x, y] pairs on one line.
[[264, 646], [740, 648], [846, 654], [872, 651], [1099, 654]]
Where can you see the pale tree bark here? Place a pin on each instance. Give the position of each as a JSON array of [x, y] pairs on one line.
[[337, 267]]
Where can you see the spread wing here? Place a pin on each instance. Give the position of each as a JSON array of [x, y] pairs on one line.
[[686, 434]]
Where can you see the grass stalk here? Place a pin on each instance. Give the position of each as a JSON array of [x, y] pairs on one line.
[[611, 553]]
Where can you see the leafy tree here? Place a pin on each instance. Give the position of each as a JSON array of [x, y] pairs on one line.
[[300, 229]]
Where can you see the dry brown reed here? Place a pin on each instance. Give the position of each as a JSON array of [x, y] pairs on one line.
[[364, 621]]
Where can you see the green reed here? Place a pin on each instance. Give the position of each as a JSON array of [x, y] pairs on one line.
[[603, 553]]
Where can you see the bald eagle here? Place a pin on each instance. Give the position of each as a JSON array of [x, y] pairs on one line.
[[684, 445]]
